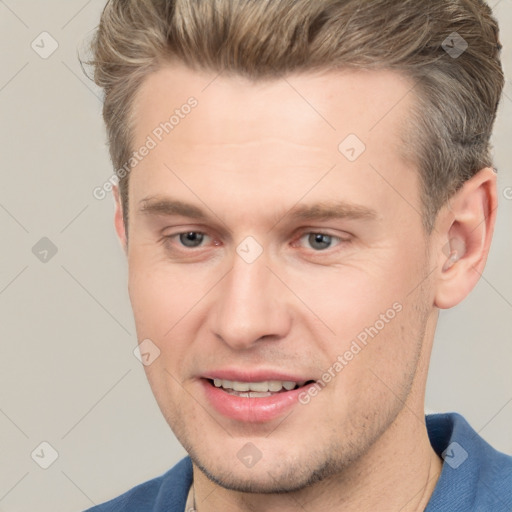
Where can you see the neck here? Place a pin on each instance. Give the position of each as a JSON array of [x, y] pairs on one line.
[[401, 470]]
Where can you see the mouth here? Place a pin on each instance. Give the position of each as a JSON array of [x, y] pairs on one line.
[[254, 400], [259, 389]]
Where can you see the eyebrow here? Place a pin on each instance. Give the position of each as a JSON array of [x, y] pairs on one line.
[[324, 210]]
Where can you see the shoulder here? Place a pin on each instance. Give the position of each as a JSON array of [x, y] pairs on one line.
[[475, 476], [166, 493]]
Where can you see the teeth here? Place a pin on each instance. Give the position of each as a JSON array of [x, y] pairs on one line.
[[261, 387], [256, 388], [251, 394], [275, 385], [288, 385], [241, 386]]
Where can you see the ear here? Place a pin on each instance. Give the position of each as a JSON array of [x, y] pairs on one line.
[[118, 219], [465, 227]]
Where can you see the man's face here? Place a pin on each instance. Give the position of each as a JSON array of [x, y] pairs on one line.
[[253, 291]]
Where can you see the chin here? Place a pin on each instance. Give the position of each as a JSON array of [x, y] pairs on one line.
[[268, 477]]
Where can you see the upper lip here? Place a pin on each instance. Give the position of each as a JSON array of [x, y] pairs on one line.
[[252, 375]]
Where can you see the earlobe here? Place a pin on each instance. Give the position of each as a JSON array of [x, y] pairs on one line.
[[465, 226], [118, 219]]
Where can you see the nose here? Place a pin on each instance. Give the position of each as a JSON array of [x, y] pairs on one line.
[[251, 305]]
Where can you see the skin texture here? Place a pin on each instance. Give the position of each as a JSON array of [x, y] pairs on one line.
[[246, 155]]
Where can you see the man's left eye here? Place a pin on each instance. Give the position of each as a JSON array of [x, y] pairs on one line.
[[320, 241]]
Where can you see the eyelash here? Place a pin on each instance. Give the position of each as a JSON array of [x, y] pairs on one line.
[[167, 240]]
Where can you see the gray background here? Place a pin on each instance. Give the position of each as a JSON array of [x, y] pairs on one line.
[[68, 375]]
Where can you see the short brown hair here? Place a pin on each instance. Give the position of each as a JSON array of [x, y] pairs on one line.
[[456, 96]]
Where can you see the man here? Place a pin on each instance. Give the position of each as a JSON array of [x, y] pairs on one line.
[[303, 185]]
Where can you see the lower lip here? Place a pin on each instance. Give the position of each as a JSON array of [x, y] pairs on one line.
[[251, 410]]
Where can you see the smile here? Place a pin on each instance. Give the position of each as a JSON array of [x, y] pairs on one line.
[[255, 401], [256, 389]]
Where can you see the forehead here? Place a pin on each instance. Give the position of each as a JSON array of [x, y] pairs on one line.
[[282, 133], [313, 109]]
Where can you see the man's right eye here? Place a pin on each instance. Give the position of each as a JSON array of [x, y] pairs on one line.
[[189, 239]]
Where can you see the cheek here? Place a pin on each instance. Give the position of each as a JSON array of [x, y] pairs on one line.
[[151, 303], [165, 302], [348, 300], [367, 311], [158, 293], [390, 347]]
